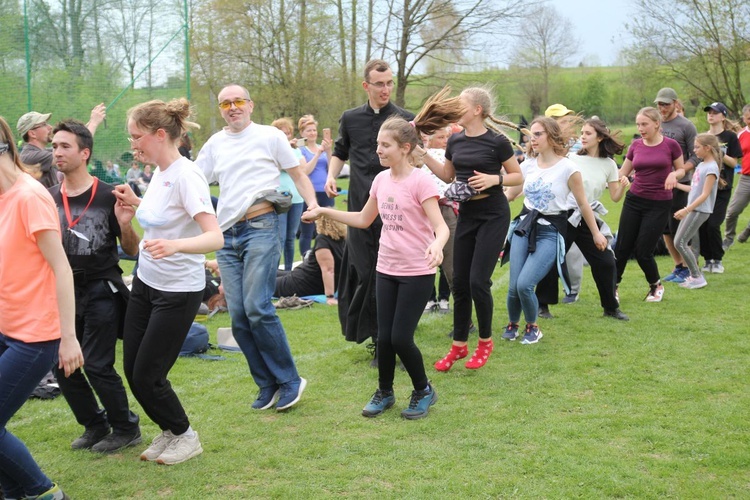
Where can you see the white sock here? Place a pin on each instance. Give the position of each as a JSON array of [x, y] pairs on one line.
[[190, 433]]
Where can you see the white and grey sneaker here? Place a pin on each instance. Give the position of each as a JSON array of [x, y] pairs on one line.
[[180, 449], [718, 267], [158, 445]]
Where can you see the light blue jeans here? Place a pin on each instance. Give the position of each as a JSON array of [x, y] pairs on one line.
[[248, 264], [527, 270], [288, 225], [22, 366]]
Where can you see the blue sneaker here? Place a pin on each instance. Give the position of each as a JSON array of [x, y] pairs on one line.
[[267, 397], [420, 403], [532, 336], [290, 394], [511, 331], [681, 275], [380, 401]]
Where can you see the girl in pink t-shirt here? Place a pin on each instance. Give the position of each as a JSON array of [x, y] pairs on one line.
[[411, 247]]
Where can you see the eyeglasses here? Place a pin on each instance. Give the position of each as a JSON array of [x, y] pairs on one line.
[[39, 126], [238, 103], [134, 140], [538, 134], [382, 85]]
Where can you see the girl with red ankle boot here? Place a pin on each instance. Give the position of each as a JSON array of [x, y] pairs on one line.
[[480, 160]]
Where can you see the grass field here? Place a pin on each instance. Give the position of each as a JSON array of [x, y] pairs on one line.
[[655, 407]]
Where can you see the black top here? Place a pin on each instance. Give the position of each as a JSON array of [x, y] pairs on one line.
[[96, 258], [484, 153], [358, 142], [730, 146], [306, 279]]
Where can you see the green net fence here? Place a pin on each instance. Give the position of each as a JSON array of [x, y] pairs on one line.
[[66, 56]]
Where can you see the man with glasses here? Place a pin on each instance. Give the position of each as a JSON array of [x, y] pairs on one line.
[[245, 158], [357, 143], [37, 134], [677, 127]]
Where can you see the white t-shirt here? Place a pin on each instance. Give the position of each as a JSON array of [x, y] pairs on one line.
[[597, 173], [244, 164], [174, 197], [546, 189]]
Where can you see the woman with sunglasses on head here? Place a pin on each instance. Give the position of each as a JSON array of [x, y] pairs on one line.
[[480, 159], [657, 163], [37, 313], [553, 188], [179, 227]]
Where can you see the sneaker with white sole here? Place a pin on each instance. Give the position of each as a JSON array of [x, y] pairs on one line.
[[290, 394], [694, 282], [430, 306], [181, 449], [158, 445], [532, 336], [443, 306], [708, 266], [717, 268], [655, 293]]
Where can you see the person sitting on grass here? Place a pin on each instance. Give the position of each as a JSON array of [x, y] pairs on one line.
[[318, 273], [411, 247]]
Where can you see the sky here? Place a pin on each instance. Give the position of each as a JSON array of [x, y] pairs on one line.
[[599, 25]]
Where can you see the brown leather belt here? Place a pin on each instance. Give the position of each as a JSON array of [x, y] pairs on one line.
[[254, 211]]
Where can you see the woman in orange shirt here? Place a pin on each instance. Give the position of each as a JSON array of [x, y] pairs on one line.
[[36, 312]]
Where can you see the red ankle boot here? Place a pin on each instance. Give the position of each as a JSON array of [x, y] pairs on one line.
[[456, 353], [481, 355]]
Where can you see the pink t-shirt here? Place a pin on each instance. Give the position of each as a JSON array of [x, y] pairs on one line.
[[407, 231], [28, 297], [652, 165]]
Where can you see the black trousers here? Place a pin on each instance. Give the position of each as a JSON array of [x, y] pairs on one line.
[[156, 325], [99, 313], [480, 235], [710, 231], [642, 222], [401, 301]]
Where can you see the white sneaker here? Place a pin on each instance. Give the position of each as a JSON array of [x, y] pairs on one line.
[[655, 293], [708, 267], [443, 306], [180, 449], [431, 305], [158, 445], [717, 268]]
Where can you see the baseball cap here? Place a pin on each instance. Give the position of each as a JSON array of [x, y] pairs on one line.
[[558, 110], [666, 96], [718, 107], [31, 120]]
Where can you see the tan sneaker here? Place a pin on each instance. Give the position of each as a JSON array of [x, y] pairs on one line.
[[158, 445], [180, 449]]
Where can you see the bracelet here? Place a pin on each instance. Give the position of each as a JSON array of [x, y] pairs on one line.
[[500, 176], [329, 296]]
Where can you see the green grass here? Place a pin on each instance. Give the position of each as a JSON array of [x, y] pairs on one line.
[[654, 407]]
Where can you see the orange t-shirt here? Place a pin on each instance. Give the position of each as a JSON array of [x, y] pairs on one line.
[[28, 298]]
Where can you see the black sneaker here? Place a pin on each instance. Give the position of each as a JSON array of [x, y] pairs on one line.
[[117, 441], [89, 438], [472, 329], [544, 312], [617, 314]]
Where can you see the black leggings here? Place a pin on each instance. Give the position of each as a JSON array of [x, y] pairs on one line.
[[156, 324], [480, 235], [401, 301], [642, 222]]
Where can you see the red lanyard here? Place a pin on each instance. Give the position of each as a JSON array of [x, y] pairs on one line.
[[72, 223]]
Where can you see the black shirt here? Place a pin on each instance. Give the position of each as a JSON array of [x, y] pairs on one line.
[[484, 153], [306, 279], [94, 257], [730, 146], [358, 142]]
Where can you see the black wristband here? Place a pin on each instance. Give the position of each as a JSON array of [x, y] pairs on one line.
[[329, 296], [501, 179]]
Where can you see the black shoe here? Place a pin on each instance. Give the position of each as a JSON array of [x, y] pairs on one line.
[[472, 329], [544, 312], [617, 314], [117, 441], [89, 438]]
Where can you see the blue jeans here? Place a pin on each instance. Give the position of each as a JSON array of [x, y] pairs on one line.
[[307, 230], [288, 225], [527, 270], [248, 265], [22, 366]]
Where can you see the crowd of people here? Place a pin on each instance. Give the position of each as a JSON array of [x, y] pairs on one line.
[[427, 191]]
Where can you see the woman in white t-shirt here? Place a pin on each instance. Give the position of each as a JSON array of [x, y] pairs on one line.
[[411, 247], [179, 228], [536, 236]]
